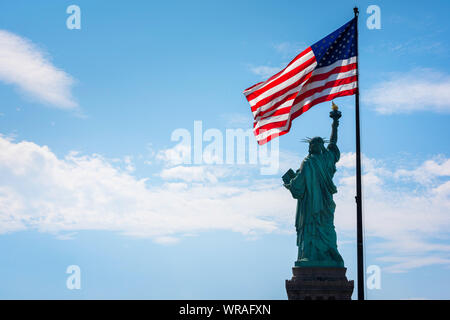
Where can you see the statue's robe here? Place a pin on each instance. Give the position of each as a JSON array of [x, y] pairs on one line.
[[313, 187]]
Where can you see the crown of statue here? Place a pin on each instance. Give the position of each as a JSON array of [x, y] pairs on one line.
[[308, 139]]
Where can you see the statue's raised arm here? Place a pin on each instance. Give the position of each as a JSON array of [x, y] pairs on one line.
[[332, 146], [335, 115]]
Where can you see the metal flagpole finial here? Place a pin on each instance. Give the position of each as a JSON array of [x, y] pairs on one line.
[[356, 11]]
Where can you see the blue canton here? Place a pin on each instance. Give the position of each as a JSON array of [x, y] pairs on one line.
[[341, 44]]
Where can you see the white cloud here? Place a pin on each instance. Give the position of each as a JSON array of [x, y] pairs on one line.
[[401, 265], [237, 120], [428, 171], [166, 240], [410, 222], [290, 49], [129, 164], [179, 154], [23, 64], [417, 90], [40, 191], [347, 160], [193, 173]]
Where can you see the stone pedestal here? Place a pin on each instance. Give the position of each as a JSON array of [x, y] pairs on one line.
[[319, 283]]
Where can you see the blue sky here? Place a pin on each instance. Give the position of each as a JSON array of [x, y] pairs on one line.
[[90, 175]]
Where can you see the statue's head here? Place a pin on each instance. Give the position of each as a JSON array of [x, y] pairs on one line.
[[316, 145]]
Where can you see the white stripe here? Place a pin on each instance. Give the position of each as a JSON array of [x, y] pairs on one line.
[[332, 77], [326, 92], [280, 117], [309, 86], [288, 103], [339, 63], [305, 101], [269, 104], [268, 133], [283, 84], [284, 105]]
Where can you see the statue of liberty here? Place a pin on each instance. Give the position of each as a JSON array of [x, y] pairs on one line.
[[312, 185]]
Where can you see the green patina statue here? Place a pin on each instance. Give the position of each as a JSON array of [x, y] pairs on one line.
[[312, 185]]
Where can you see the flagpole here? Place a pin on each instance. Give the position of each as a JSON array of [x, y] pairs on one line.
[[359, 223]]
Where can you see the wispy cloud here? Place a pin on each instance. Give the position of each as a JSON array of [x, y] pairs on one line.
[[193, 173], [427, 172], [23, 64], [402, 264], [290, 49], [287, 50], [237, 120], [265, 71], [417, 90], [422, 46]]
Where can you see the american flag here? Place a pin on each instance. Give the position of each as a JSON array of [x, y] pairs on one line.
[[322, 72]]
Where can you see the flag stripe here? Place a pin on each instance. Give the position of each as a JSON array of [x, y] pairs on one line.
[[292, 64], [338, 63], [305, 96], [310, 89], [265, 135], [282, 81], [282, 119], [281, 96], [318, 74]]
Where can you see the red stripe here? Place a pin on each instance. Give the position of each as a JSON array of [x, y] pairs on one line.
[[331, 84], [281, 79], [336, 83], [279, 124], [270, 125], [267, 139], [339, 69], [316, 77], [279, 94], [301, 54], [323, 99], [253, 86]]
